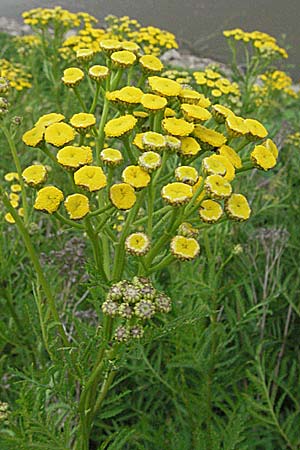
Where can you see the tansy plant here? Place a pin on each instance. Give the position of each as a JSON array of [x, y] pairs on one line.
[[145, 146]]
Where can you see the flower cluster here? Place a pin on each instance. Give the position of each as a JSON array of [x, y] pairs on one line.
[[271, 83], [133, 304], [16, 74], [43, 18], [263, 43], [14, 196], [214, 85]]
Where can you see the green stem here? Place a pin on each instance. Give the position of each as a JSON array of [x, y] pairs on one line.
[[96, 248], [77, 93], [95, 99], [67, 221]]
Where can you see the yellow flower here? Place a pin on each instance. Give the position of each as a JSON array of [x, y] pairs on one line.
[[210, 211], [186, 229], [109, 45], [74, 157], [168, 112], [190, 96], [123, 58], [153, 102], [90, 177], [111, 156], [84, 54], [164, 86], [137, 244], [77, 206], [195, 113], [82, 121], [220, 112], [262, 158], [140, 115], [136, 176], [72, 76], [35, 175], [216, 92], [49, 119], [59, 134], [230, 154], [138, 141], [33, 137], [11, 176], [14, 197], [209, 137], [236, 126], [9, 218], [186, 174], [177, 127], [21, 212], [130, 46], [204, 102], [177, 193], [151, 64], [120, 126], [173, 143], [184, 248], [149, 161], [215, 164], [48, 199], [255, 129], [98, 73], [153, 141], [237, 207], [122, 196], [189, 147], [15, 188], [129, 95], [217, 186]]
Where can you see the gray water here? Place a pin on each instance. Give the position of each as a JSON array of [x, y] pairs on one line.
[[197, 24]]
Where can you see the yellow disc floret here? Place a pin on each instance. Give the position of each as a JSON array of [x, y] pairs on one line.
[[35, 175], [177, 193], [48, 199], [184, 248], [136, 176], [59, 134], [77, 206], [122, 196], [90, 177]]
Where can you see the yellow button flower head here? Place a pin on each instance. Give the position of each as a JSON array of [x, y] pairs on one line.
[[59, 134], [73, 157], [262, 158], [153, 102], [220, 112], [189, 147], [149, 161], [169, 112], [120, 126], [122, 196], [82, 121], [153, 141], [186, 229], [48, 199], [173, 143], [98, 73], [255, 130], [123, 58], [209, 138], [177, 127], [84, 54], [216, 93], [204, 102], [164, 86], [215, 164], [33, 137], [151, 64], [11, 176], [210, 211], [49, 119], [217, 186], [270, 145], [72, 76], [177, 193], [140, 115], [137, 244], [129, 95], [111, 156], [14, 197], [130, 46], [16, 188], [136, 176], [230, 154], [77, 206], [237, 207], [236, 126], [189, 96], [184, 248], [14, 203], [9, 218], [90, 177], [186, 174], [195, 113], [110, 45], [35, 175]]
